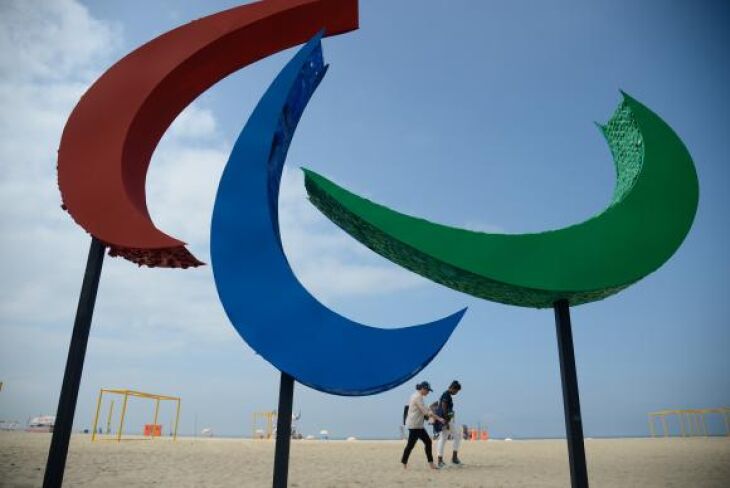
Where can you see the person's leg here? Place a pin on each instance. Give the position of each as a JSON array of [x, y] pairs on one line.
[[428, 446], [457, 444], [441, 444], [412, 438]]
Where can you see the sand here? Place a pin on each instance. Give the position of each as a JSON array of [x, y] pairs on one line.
[[696, 462]]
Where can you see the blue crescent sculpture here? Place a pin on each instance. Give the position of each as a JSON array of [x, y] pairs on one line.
[[262, 297]]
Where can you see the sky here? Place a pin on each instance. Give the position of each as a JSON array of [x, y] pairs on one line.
[[473, 114]]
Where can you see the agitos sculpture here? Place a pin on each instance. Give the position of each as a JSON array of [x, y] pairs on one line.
[[653, 207], [111, 134]]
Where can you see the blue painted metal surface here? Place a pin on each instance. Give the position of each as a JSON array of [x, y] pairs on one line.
[[264, 300]]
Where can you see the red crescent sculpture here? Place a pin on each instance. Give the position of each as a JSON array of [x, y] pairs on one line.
[[112, 132]]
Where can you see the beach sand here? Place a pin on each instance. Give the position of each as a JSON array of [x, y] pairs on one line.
[[675, 462]]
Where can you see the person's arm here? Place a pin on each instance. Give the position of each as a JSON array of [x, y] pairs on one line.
[[418, 402], [425, 411]]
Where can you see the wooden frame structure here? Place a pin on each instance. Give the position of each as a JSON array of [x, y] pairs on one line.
[[269, 416], [127, 394], [693, 419]]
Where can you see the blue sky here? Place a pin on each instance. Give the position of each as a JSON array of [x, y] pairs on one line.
[[474, 114]]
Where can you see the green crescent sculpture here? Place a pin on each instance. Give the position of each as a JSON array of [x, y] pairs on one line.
[[653, 206]]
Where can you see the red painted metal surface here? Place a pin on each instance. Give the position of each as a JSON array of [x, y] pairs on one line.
[[111, 134]]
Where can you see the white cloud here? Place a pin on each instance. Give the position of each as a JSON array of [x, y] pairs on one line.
[[50, 52], [47, 57], [194, 124], [51, 40]]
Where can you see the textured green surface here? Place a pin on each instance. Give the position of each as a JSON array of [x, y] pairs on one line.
[[652, 210], [624, 140]]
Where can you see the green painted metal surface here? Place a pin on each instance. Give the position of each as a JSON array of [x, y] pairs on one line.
[[652, 210]]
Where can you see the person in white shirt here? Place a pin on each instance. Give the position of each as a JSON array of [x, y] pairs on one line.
[[417, 414]]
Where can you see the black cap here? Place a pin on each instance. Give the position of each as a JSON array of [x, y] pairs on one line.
[[424, 384], [455, 384]]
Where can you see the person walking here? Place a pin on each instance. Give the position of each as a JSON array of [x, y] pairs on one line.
[[417, 414], [449, 427]]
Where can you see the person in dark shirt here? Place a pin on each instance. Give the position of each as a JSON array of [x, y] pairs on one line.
[[449, 427]]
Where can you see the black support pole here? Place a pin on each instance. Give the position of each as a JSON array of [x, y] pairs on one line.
[[283, 431], [74, 366], [571, 401]]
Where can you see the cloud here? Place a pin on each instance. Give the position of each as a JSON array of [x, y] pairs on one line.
[[194, 124], [52, 40], [50, 52]]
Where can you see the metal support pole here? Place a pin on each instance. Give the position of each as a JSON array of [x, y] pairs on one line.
[[571, 401], [651, 425], [96, 417], [58, 451], [154, 420], [177, 419], [664, 426], [283, 431], [121, 418], [109, 418]]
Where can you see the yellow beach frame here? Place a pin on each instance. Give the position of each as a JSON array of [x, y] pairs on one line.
[[127, 394], [269, 416], [695, 420]]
